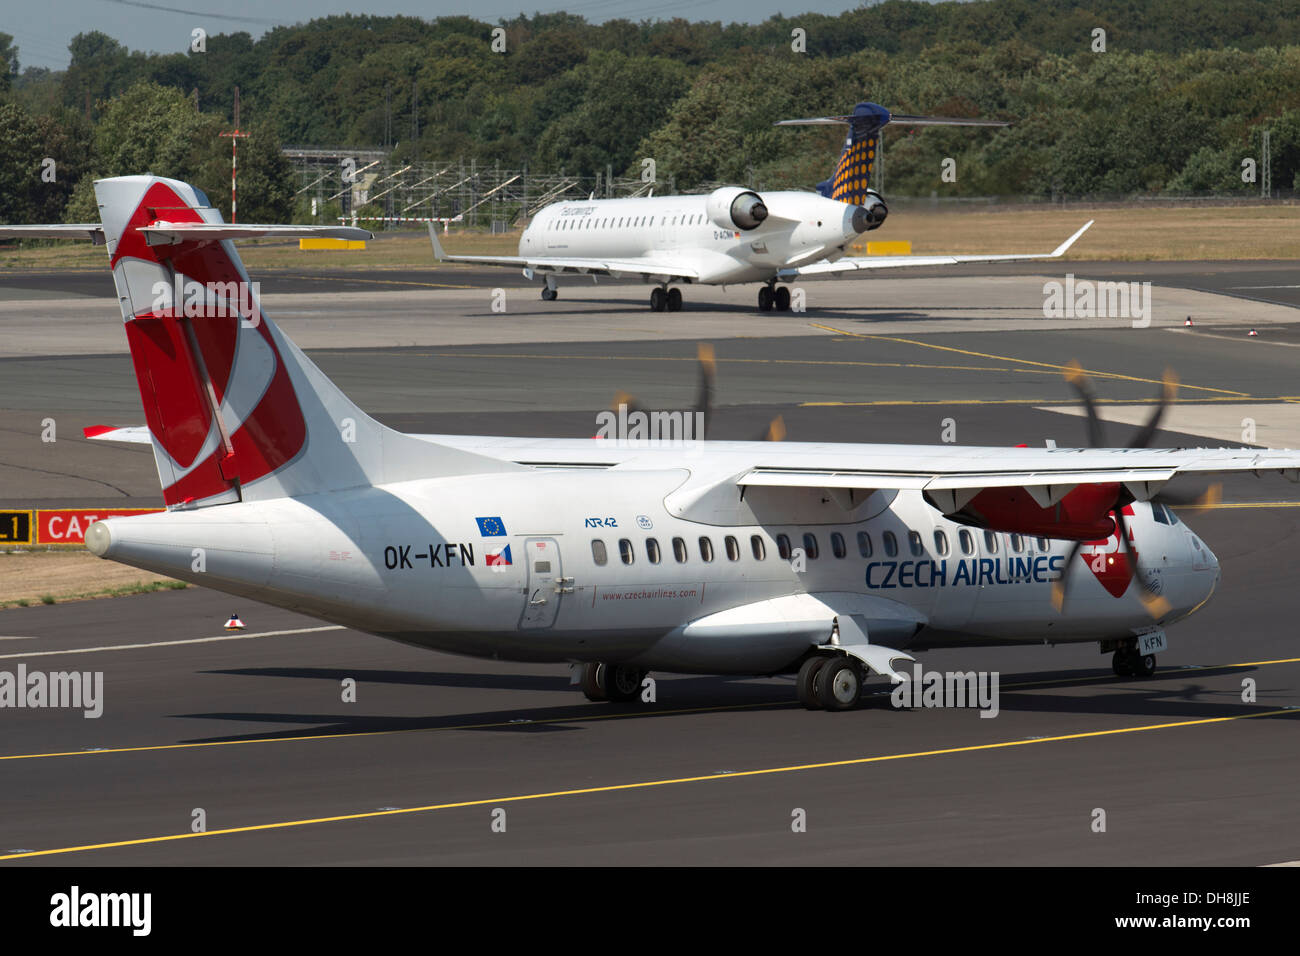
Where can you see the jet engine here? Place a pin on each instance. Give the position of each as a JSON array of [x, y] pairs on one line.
[[732, 207], [871, 213]]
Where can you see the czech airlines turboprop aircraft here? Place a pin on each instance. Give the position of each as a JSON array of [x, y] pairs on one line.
[[731, 235], [826, 560]]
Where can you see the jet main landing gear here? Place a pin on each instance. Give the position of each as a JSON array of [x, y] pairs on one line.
[[772, 297], [666, 299]]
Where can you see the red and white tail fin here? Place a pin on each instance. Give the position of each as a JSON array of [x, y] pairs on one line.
[[235, 410]]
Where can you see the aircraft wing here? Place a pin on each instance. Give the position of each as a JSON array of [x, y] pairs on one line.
[[572, 265], [938, 470], [860, 263]]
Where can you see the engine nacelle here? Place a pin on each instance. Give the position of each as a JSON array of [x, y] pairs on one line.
[[732, 207], [1082, 515], [871, 212]]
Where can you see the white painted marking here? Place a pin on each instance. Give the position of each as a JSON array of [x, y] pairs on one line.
[[17, 638], [195, 640]]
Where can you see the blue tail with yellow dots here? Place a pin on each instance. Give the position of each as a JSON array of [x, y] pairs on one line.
[[851, 181]]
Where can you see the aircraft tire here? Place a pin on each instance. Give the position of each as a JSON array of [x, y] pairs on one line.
[[658, 299], [782, 299], [674, 299], [839, 684], [1122, 662], [766, 299], [593, 681], [1146, 666], [807, 679], [622, 682], [549, 294]]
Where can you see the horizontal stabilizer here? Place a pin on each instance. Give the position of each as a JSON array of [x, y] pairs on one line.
[[165, 233]]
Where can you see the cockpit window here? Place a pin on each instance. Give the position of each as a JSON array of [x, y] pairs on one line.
[[1159, 513]]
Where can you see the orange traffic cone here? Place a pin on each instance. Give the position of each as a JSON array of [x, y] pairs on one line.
[[1188, 323], [234, 624], [1253, 332]]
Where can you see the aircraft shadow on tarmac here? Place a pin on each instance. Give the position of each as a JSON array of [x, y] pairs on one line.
[[1169, 696], [847, 314]]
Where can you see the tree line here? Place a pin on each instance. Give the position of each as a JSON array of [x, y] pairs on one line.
[[1105, 96]]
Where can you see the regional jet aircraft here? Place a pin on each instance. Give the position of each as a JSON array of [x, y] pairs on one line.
[[824, 560], [731, 235]]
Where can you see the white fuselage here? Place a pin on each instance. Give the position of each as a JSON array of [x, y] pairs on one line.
[[802, 227], [409, 561]]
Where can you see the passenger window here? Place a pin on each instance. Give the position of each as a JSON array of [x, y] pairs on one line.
[[758, 547], [990, 542], [940, 543], [890, 543], [598, 552], [783, 546], [679, 550], [733, 548], [706, 549], [625, 551], [967, 541], [810, 548], [915, 544], [1017, 543], [1042, 544], [864, 544], [837, 545], [652, 550]]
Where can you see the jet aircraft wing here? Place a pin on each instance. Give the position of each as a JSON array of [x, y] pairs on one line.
[[860, 263]]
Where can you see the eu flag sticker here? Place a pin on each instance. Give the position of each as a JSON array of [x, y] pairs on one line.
[[491, 527]]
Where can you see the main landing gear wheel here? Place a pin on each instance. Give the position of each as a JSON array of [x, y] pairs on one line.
[[782, 299], [674, 299], [1146, 665], [619, 683], [550, 295], [593, 681], [622, 682], [658, 299], [766, 299], [838, 685], [808, 672]]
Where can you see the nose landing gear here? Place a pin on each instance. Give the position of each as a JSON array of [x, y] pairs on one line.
[[1127, 662]]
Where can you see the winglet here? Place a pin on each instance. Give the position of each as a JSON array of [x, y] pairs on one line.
[[438, 253], [1063, 247]]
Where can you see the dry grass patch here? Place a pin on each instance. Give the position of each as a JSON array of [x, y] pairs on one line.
[[48, 577]]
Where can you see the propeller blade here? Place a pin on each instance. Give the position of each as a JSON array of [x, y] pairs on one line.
[[1058, 586], [1074, 375], [775, 430], [1143, 438], [1155, 605], [704, 397], [625, 398], [1205, 500]]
